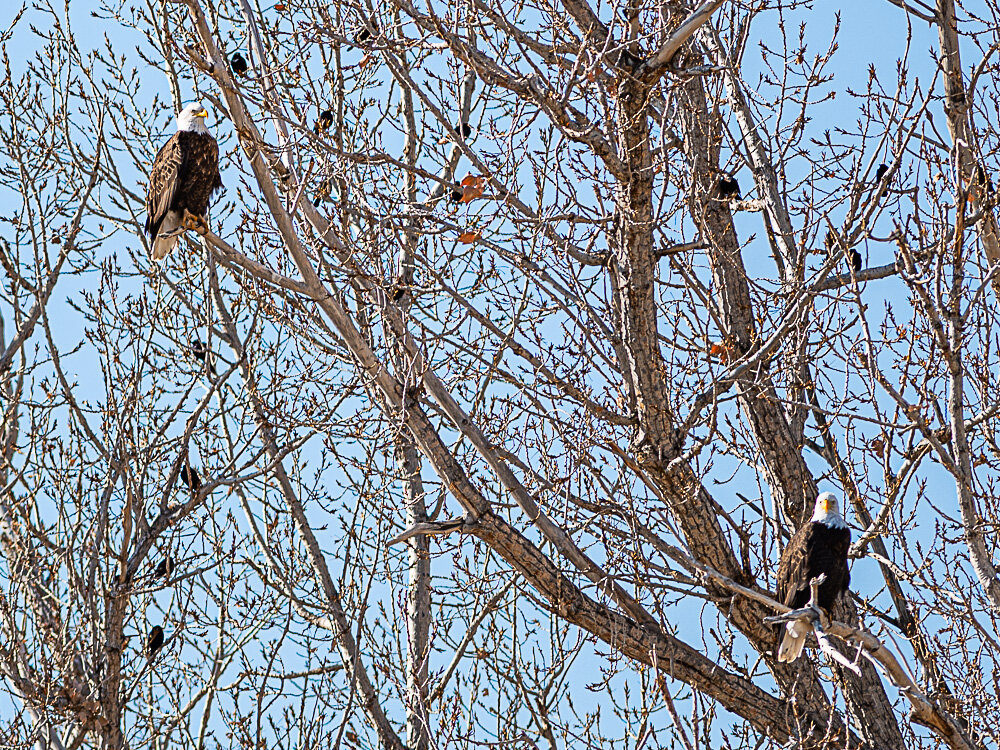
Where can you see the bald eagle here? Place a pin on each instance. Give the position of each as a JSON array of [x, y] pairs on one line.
[[819, 546], [185, 173]]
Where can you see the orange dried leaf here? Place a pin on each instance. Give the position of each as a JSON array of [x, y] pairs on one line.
[[472, 188], [468, 237], [281, 6], [722, 351]]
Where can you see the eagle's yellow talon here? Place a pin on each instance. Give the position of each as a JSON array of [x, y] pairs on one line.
[[194, 223]]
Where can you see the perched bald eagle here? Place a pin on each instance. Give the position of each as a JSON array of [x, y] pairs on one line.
[[185, 173], [820, 546]]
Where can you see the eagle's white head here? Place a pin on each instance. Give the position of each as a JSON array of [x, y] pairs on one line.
[[827, 511], [192, 118]]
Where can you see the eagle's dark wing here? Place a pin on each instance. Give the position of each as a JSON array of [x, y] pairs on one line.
[[216, 174], [792, 567], [791, 573], [164, 178]]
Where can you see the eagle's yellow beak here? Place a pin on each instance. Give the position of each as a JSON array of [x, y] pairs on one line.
[[825, 504], [203, 113]]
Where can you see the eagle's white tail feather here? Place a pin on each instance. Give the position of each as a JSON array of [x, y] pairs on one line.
[[168, 236], [162, 246], [793, 642]]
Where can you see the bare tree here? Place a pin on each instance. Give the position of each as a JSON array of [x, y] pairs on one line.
[[522, 338]]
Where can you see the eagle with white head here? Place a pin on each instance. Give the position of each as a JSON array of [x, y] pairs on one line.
[[184, 176], [819, 547]]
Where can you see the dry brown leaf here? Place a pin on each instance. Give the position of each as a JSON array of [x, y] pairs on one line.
[[472, 188], [722, 351]]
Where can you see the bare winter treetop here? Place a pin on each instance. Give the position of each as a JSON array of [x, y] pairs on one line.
[[521, 340]]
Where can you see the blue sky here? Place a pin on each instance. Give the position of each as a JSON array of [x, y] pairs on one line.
[[874, 34]]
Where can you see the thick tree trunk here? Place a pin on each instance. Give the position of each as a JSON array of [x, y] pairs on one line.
[[634, 271], [788, 477], [965, 147], [418, 596], [956, 108], [418, 599]]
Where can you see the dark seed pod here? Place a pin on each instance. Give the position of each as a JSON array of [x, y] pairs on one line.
[[855, 258], [362, 35], [202, 353], [729, 188], [165, 568], [238, 64], [154, 642], [324, 122], [190, 477]]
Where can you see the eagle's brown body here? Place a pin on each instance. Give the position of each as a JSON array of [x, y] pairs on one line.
[[185, 173], [815, 548]]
